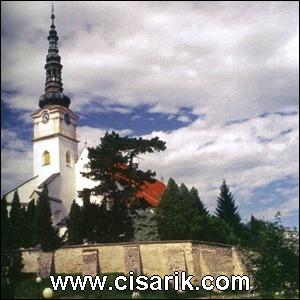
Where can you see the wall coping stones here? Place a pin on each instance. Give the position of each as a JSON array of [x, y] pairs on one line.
[[193, 242]]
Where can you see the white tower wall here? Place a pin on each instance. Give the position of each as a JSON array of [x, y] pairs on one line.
[[57, 137]]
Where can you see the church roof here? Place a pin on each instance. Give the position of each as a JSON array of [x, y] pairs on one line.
[[63, 221], [48, 180], [23, 183], [39, 193], [152, 192]]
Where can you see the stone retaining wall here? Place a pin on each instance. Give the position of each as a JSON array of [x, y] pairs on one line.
[[149, 258]]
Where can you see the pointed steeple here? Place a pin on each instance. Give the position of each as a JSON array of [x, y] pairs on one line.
[[53, 86]]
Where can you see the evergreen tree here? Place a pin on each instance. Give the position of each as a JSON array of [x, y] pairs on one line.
[[274, 263], [195, 202], [112, 164], [89, 218], [145, 225], [11, 261], [5, 226], [219, 231], [119, 223], [74, 225], [226, 208], [171, 218], [29, 224], [44, 233], [16, 221], [194, 213]]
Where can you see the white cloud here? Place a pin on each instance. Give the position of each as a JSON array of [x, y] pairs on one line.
[[92, 135], [203, 156], [16, 160], [227, 60], [167, 55], [184, 119]]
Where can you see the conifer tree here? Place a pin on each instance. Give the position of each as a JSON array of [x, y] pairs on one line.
[[16, 221], [29, 224], [112, 163], [145, 225], [226, 208], [89, 218], [74, 225], [6, 241], [197, 203], [171, 220], [11, 261], [44, 233], [119, 223]]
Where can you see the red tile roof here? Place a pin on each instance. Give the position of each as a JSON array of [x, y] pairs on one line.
[[152, 192]]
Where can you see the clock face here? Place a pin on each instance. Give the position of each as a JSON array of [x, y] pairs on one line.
[[45, 117], [67, 118]]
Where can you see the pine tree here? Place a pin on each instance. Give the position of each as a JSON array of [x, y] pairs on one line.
[[171, 219], [11, 261], [44, 233], [89, 218], [112, 164], [197, 203], [194, 213], [29, 219], [5, 225], [119, 223], [145, 225], [16, 221], [74, 225], [226, 208]]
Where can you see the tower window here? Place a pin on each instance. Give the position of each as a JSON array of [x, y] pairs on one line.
[[68, 158], [46, 158]]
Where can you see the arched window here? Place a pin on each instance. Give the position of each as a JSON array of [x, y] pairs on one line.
[[46, 158], [68, 158]]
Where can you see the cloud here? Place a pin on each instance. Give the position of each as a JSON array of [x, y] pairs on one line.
[[287, 209], [234, 64], [184, 119], [16, 160], [203, 156], [92, 135], [205, 56]]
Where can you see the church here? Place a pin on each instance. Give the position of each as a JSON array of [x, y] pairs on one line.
[[57, 163]]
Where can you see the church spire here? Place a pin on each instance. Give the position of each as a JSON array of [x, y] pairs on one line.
[[53, 86]]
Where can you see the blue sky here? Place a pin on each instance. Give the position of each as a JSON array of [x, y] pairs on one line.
[[217, 81]]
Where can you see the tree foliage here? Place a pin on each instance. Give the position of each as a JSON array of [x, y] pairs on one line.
[[44, 233], [113, 164], [11, 261], [28, 236], [226, 208], [181, 214], [275, 260], [17, 220], [75, 225], [145, 225]]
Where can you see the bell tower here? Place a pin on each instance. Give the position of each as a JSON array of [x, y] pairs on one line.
[[55, 147]]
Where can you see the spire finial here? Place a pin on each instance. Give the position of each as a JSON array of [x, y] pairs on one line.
[[52, 14], [53, 87]]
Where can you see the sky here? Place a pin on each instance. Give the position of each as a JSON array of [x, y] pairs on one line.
[[217, 81]]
